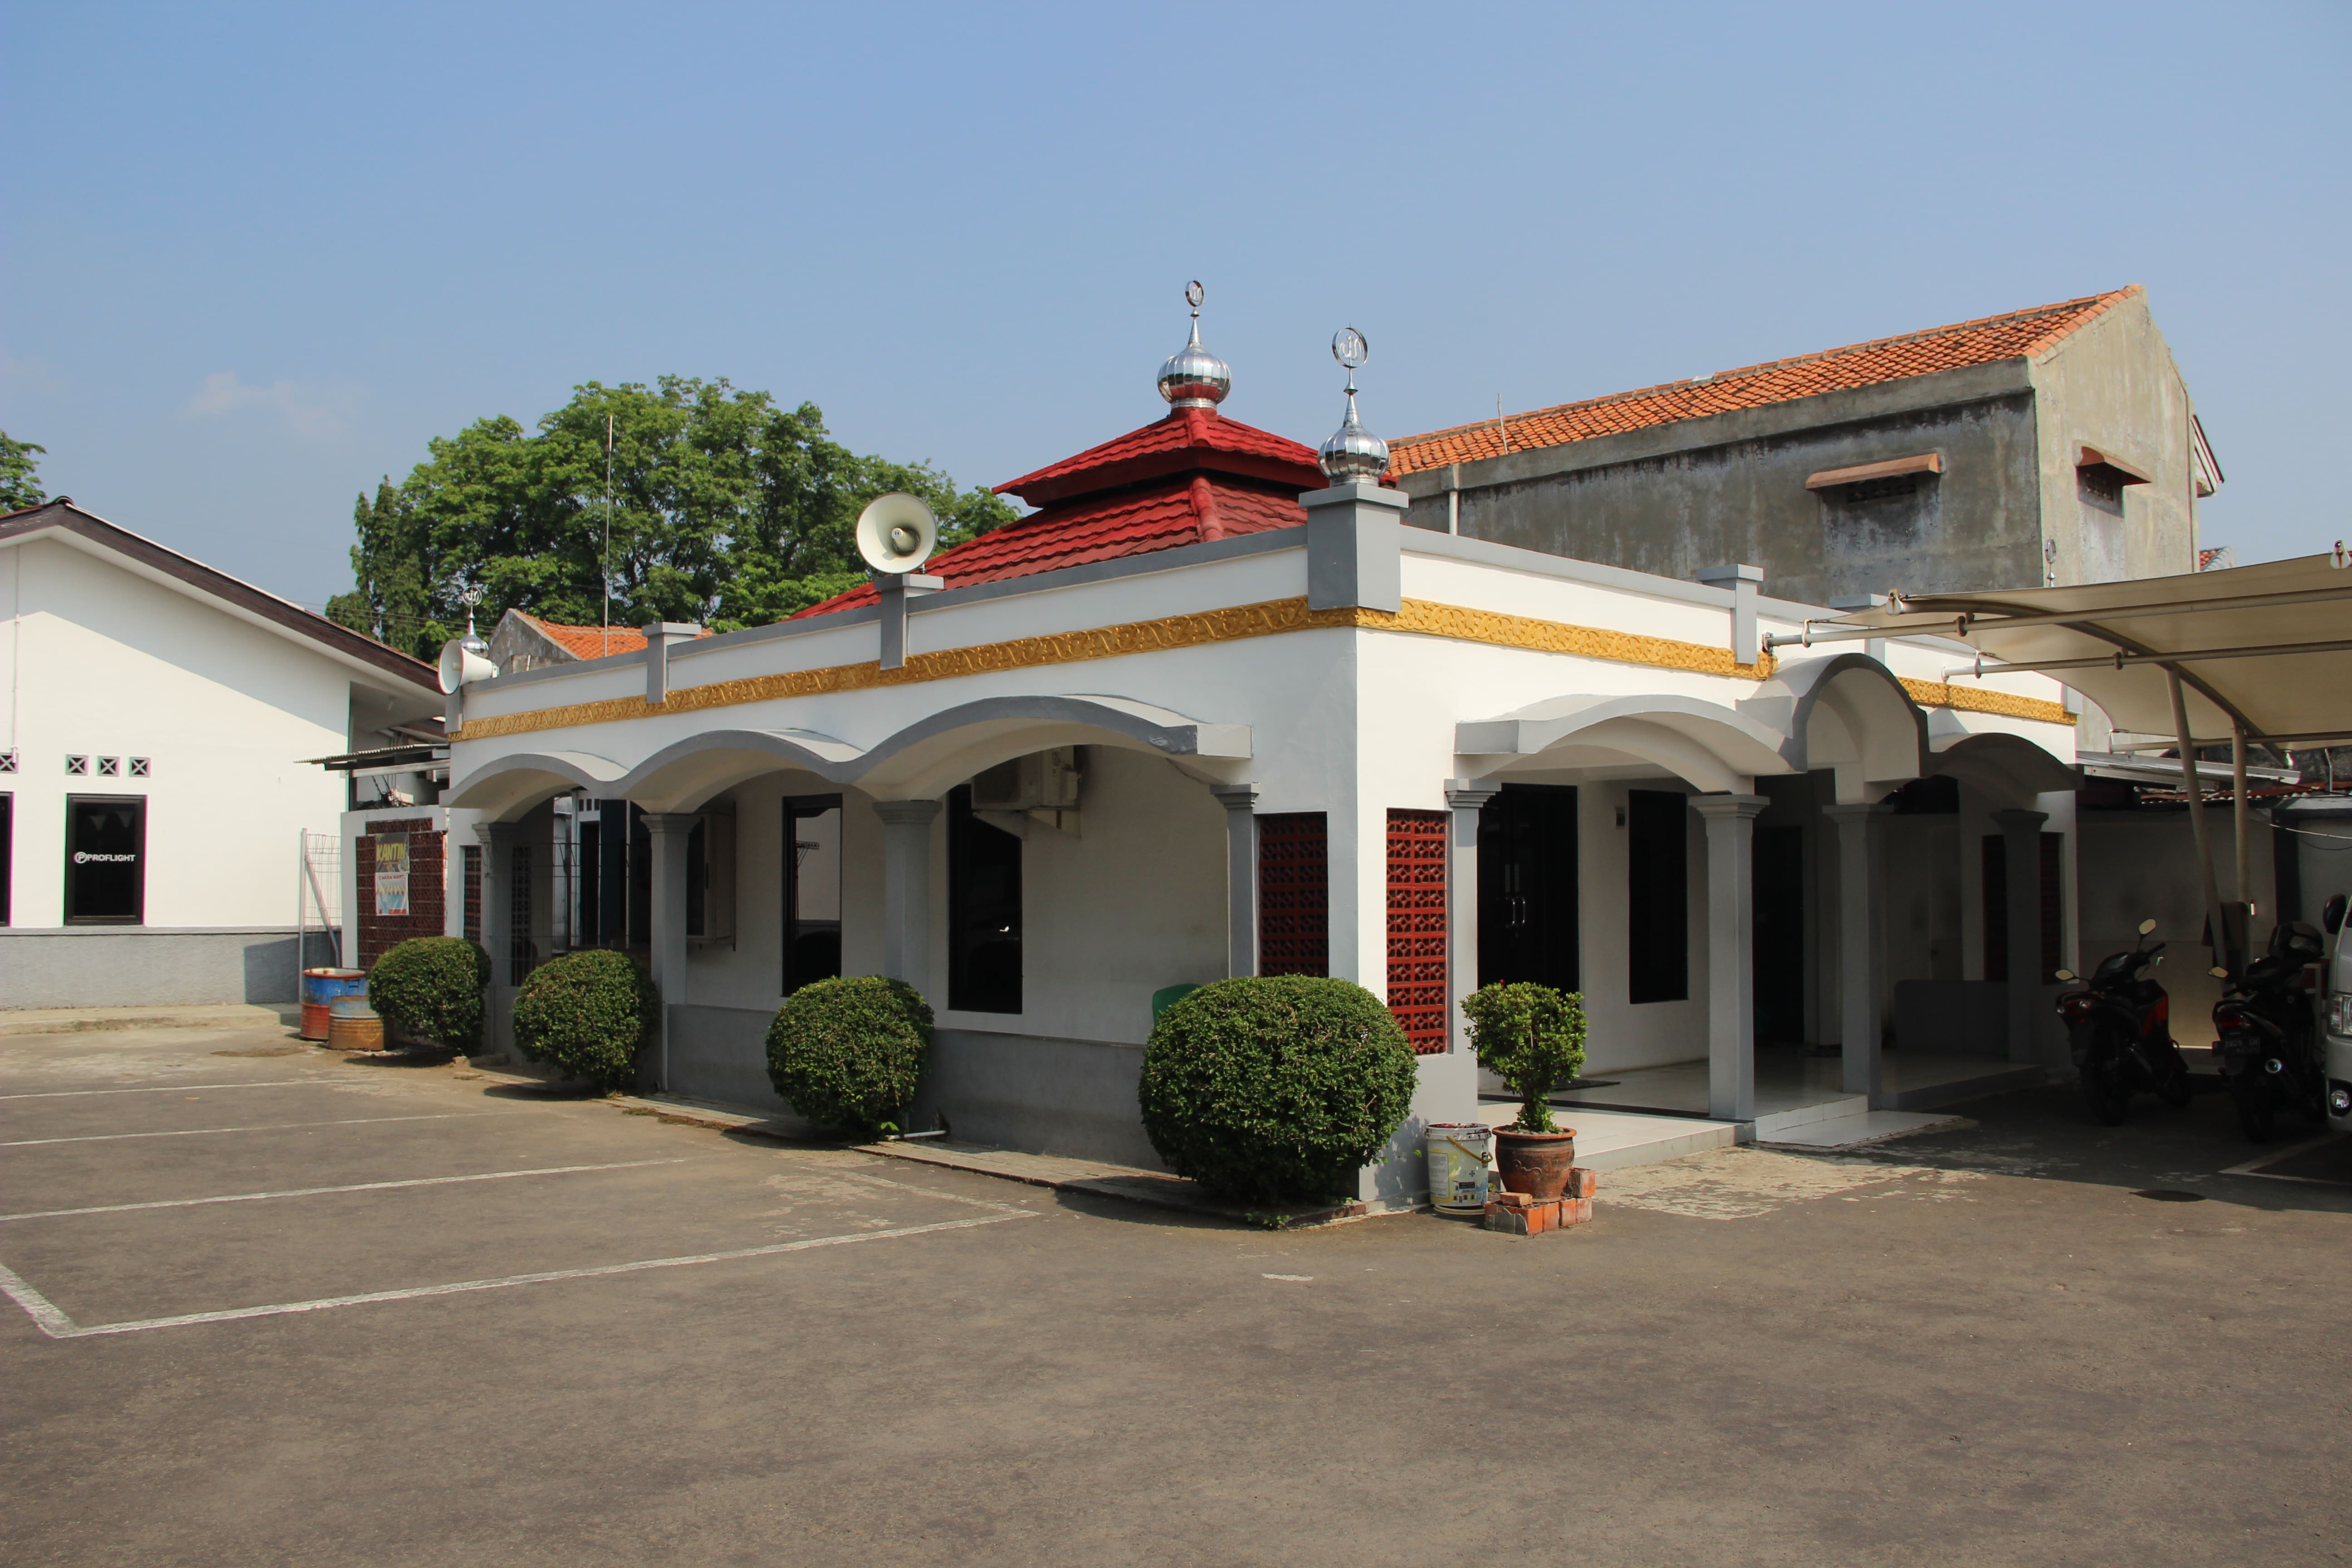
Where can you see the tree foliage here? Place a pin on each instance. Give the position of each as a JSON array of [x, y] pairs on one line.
[[19, 486], [727, 509]]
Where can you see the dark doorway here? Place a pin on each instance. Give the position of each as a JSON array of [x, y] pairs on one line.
[[106, 860], [1657, 895], [983, 911], [7, 845], [1526, 887], [2050, 870], [812, 890], [1780, 870]]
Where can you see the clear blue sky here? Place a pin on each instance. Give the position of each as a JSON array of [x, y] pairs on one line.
[[256, 256]]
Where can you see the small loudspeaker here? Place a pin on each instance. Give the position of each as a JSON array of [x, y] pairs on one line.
[[897, 532], [462, 663]]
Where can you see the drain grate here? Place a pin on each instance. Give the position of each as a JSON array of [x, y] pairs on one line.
[[2169, 1195]]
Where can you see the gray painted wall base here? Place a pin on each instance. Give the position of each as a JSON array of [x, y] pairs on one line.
[[148, 966], [721, 1053], [1043, 1096]]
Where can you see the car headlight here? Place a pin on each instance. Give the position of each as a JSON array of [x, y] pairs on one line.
[[2339, 1014]]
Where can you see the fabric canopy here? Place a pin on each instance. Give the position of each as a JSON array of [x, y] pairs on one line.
[[2267, 647]]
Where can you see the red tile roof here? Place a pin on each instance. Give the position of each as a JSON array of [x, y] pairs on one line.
[[589, 642], [2018, 334], [1193, 476]]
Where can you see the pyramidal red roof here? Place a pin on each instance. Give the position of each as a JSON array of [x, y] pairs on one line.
[[2018, 334], [1190, 477]]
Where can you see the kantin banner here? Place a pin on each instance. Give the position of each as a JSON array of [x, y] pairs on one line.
[[392, 874]]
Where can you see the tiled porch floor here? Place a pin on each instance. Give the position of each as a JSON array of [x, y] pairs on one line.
[[1789, 1081]]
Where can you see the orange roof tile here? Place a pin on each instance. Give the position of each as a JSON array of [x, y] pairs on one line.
[[2018, 334], [589, 642]]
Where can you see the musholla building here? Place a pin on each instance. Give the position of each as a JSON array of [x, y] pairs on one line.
[[1214, 709]]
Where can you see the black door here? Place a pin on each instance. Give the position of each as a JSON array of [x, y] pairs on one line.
[[983, 911], [106, 860], [1779, 869], [1526, 887]]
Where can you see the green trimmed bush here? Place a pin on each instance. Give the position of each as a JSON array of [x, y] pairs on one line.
[[1530, 1037], [588, 1012], [1270, 1087], [848, 1052], [432, 987]]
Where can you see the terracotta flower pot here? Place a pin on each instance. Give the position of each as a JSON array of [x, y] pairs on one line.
[[1536, 1164]]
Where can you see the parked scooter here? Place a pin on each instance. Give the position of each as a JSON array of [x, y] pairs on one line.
[[2119, 1028], [2266, 1043]]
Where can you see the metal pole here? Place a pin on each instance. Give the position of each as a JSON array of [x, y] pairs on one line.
[[2197, 814], [2242, 820]]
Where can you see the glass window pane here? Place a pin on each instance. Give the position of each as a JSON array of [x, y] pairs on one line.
[[811, 891], [106, 851]]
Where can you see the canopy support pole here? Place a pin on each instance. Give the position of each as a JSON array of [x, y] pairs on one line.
[[2242, 816], [2197, 814]]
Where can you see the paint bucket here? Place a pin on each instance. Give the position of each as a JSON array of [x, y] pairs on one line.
[[1460, 1159], [353, 1025], [319, 989]]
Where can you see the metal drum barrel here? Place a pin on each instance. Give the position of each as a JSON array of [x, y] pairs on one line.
[[319, 989], [353, 1025]]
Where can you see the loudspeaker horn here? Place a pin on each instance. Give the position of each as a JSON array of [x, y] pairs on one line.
[[897, 532], [462, 663]]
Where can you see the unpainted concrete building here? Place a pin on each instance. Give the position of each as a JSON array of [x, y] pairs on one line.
[[2047, 446]]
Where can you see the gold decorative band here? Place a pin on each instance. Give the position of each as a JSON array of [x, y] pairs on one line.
[[1419, 617], [1943, 694]]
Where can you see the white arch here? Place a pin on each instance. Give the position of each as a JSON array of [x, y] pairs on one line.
[[1713, 747], [504, 788], [1849, 715]]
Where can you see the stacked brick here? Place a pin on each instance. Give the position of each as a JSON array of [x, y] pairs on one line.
[[379, 934], [1516, 1214]]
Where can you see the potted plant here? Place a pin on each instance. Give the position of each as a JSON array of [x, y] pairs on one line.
[[1530, 1037]]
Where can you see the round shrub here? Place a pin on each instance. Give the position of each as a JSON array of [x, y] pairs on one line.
[[849, 1052], [1269, 1087], [1530, 1037], [432, 987], [587, 1013]]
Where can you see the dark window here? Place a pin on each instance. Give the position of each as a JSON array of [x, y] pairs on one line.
[[697, 877], [2100, 486], [1294, 893], [812, 890], [639, 851], [1996, 904], [106, 860], [1778, 854], [1657, 906], [588, 927], [983, 911], [1526, 887], [7, 845], [469, 861], [519, 948]]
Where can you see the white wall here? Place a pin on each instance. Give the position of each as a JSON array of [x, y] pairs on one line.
[[102, 662]]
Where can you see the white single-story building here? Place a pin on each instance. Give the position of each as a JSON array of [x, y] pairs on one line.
[[1211, 710], [153, 791]]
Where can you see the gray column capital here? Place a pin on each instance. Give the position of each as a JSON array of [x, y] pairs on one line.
[[907, 813], [2017, 821], [1464, 795], [1729, 807], [669, 821], [1857, 812], [1238, 797], [494, 834]]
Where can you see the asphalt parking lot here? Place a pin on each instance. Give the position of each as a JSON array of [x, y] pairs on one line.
[[274, 1307]]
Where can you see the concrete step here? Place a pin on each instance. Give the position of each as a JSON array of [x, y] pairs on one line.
[[78, 1020], [1615, 1140], [1852, 1132], [1774, 1127]]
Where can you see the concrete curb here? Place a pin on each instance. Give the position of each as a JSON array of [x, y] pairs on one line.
[[85, 1020]]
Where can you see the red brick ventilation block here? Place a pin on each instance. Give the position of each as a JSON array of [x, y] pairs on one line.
[[1417, 978], [1294, 894]]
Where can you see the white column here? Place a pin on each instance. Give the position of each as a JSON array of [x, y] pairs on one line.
[[1730, 952], [2020, 834], [1462, 901], [667, 832], [1240, 802], [1857, 921], [906, 889], [499, 841]]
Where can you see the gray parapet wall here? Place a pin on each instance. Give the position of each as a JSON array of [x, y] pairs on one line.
[[150, 966]]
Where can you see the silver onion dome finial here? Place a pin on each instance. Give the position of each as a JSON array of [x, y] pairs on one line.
[[1193, 377], [1353, 455]]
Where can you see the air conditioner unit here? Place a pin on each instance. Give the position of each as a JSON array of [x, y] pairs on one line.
[[1042, 781]]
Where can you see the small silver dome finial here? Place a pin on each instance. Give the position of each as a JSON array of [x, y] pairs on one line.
[[1352, 455], [1193, 377]]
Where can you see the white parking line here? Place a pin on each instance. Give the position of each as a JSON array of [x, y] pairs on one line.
[[269, 1127], [176, 1088], [57, 1326], [355, 1187]]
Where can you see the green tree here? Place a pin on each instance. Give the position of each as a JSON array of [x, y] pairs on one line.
[[19, 486], [725, 508]]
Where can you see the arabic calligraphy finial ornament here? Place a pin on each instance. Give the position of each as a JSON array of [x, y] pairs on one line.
[[1353, 455], [1193, 377]]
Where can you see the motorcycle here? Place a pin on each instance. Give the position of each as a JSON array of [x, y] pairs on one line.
[[2264, 1040], [2119, 1032]]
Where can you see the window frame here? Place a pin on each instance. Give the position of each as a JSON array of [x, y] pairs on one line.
[[138, 917]]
